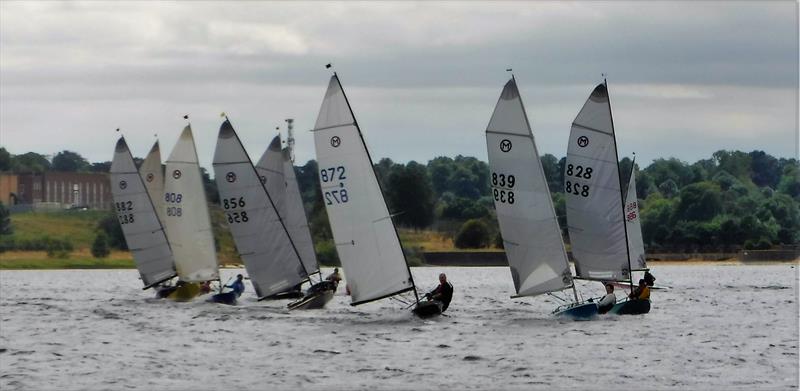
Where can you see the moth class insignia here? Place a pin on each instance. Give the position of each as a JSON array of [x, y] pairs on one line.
[[230, 177], [505, 145], [583, 141], [176, 174], [263, 179], [123, 185], [150, 177], [336, 141]]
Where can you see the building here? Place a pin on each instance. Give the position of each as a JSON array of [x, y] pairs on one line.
[[64, 189], [8, 189]]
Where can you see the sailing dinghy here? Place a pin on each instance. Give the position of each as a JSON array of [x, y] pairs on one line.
[[187, 220], [596, 218], [363, 231], [531, 235], [260, 232], [137, 216]]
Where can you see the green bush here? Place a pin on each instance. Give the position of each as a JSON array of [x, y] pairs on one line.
[[414, 256], [100, 246], [326, 253], [498, 240], [760, 244], [473, 234]]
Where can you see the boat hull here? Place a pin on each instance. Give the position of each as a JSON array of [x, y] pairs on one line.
[[228, 298], [577, 311], [631, 307], [294, 294], [315, 300], [185, 292], [427, 309]]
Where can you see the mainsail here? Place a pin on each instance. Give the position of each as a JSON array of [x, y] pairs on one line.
[[187, 219], [276, 172], [531, 235], [595, 218], [137, 216], [634, 226], [153, 176], [365, 236], [272, 262]]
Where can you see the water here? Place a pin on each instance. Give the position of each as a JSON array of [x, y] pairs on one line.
[[720, 327]]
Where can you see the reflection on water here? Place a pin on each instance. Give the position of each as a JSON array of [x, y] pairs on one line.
[[719, 327]]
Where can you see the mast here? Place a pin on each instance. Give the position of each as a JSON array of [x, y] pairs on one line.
[[621, 197], [372, 167]]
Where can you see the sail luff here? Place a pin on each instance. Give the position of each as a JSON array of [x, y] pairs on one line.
[[296, 217], [137, 215], [255, 223], [363, 231], [187, 217], [633, 224], [380, 187], [532, 237], [621, 194]]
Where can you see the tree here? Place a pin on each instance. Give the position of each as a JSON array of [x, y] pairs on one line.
[[70, 162], [663, 169], [699, 202], [5, 160], [473, 234], [459, 208], [113, 230], [210, 187], [5, 221], [764, 169], [553, 173], [100, 246], [668, 188], [410, 193], [736, 163], [30, 162], [100, 167], [657, 219], [790, 181], [440, 170]]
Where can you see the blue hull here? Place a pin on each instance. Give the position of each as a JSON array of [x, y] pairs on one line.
[[228, 298], [582, 311]]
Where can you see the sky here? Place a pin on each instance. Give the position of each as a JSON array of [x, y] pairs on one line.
[[685, 78]]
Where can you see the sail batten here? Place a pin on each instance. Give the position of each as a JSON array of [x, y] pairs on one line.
[[593, 193], [137, 216], [187, 217], [373, 260], [270, 257], [531, 234]]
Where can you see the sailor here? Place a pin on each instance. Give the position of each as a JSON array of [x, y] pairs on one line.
[[649, 279], [334, 277], [642, 292], [608, 301], [443, 292], [237, 286]]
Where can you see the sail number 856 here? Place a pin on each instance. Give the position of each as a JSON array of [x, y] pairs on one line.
[[233, 203]]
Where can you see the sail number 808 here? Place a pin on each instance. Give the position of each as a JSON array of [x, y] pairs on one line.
[[173, 198]]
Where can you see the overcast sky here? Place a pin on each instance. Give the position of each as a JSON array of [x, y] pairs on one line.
[[686, 78]]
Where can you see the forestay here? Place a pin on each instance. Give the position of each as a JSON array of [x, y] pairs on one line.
[[634, 226], [261, 238], [528, 224], [187, 220], [153, 176], [592, 186], [137, 217], [366, 240]]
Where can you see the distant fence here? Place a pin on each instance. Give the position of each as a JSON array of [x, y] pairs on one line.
[[498, 258]]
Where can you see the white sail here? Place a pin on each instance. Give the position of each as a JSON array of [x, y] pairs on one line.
[[528, 223], [137, 216], [365, 236], [276, 171], [153, 176], [187, 218], [633, 224], [592, 186], [261, 237]]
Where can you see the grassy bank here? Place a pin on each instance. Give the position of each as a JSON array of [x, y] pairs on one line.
[[76, 260]]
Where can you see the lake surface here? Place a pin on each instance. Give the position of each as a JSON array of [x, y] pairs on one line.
[[719, 327]]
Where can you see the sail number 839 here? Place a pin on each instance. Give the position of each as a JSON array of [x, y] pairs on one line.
[[502, 185]]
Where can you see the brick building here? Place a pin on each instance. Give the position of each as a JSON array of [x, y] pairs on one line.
[[66, 189]]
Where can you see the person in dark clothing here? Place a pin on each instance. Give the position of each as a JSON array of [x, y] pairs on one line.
[[237, 286], [649, 278], [443, 292]]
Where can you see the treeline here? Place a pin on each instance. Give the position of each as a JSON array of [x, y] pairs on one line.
[[729, 201]]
